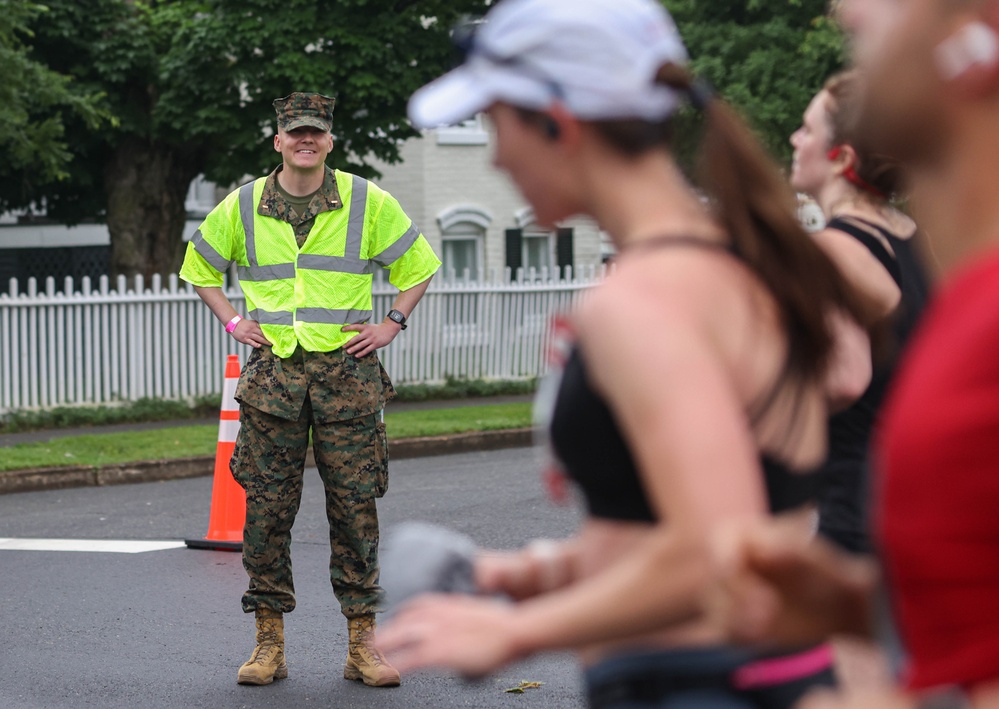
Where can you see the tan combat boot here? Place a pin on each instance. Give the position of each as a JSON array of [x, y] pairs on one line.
[[364, 661], [266, 664]]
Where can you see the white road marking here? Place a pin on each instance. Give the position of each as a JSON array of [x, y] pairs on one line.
[[91, 545]]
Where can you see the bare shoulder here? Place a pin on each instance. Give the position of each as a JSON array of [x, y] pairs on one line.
[[873, 282], [662, 307]]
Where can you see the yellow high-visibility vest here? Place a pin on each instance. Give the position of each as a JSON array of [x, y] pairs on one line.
[[306, 296]]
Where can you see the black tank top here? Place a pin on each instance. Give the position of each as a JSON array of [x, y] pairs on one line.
[[844, 492], [588, 442]]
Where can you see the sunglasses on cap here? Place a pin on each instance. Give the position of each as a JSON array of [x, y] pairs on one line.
[[465, 44]]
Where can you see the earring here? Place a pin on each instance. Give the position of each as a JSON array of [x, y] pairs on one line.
[[975, 43]]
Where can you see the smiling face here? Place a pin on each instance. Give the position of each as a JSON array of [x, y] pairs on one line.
[[303, 149], [811, 168]]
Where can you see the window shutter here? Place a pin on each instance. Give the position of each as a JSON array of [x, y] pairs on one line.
[[563, 249], [514, 250]]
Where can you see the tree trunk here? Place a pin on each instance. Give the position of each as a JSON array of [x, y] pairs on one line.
[[147, 184]]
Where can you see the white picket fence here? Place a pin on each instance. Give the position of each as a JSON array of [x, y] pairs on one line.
[[85, 345]]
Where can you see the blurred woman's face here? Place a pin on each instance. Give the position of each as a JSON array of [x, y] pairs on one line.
[[811, 168], [525, 154]]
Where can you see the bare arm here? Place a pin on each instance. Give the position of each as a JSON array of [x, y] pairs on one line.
[[371, 337], [867, 275], [672, 394], [247, 331], [850, 367]]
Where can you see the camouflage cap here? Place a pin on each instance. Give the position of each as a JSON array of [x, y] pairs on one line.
[[304, 109]]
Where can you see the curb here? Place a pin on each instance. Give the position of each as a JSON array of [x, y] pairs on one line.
[[150, 471]]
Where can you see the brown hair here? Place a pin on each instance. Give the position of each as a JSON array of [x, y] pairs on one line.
[[874, 168], [759, 211]]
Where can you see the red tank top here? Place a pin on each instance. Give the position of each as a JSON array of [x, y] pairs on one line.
[[938, 512]]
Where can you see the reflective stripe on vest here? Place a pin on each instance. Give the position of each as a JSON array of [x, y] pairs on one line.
[[327, 316], [209, 254], [398, 249], [265, 317], [332, 317]]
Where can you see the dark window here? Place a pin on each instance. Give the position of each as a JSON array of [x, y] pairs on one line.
[[73, 261]]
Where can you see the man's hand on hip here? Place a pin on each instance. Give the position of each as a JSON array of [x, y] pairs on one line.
[[370, 337]]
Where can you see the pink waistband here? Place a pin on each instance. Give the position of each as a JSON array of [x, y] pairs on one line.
[[777, 670]]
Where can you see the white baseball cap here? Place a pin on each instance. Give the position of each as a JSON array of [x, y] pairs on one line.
[[599, 58]]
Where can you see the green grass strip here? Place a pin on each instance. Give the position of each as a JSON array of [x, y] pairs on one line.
[[439, 422], [206, 406], [190, 441]]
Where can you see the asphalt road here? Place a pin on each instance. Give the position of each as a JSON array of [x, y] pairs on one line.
[[164, 628]]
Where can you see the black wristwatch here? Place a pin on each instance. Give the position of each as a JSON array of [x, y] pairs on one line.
[[398, 317]]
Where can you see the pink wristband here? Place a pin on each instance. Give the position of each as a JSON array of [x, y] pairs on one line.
[[231, 325]]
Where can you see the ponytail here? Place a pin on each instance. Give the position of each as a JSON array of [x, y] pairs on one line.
[[757, 208]]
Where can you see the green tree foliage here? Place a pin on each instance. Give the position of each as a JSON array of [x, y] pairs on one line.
[[33, 103], [190, 83], [766, 57]]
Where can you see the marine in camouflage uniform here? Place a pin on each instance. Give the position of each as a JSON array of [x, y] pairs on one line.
[[340, 398], [337, 396]]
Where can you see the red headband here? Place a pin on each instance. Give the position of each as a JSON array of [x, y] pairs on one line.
[[852, 177]]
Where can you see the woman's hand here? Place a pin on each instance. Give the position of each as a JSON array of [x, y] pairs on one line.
[[470, 636], [781, 586], [504, 572], [542, 566]]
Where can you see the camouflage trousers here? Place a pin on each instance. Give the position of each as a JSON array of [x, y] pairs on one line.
[[269, 464]]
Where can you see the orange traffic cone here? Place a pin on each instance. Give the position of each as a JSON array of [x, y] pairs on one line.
[[225, 522]]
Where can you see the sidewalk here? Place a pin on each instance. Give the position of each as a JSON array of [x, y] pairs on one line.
[[148, 471]]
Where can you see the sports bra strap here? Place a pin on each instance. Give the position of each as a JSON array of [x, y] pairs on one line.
[[672, 241]]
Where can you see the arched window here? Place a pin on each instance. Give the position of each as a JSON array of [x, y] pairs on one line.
[[537, 244], [463, 233]]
